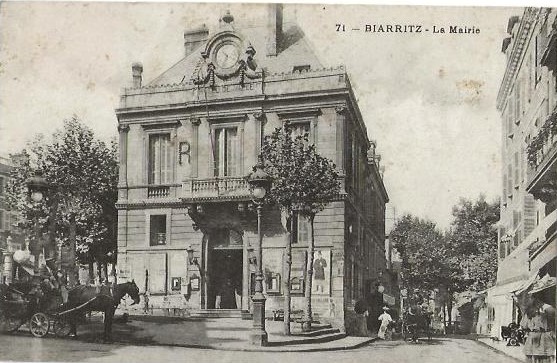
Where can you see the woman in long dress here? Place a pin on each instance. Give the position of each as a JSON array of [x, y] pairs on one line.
[[385, 319], [539, 346]]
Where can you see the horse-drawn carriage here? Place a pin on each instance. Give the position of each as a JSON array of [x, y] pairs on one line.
[[43, 310], [416, 325], [24, 303]]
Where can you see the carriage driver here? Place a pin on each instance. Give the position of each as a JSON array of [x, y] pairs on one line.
[[56, 282]]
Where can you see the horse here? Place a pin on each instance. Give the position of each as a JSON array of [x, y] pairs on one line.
[[89, 298]]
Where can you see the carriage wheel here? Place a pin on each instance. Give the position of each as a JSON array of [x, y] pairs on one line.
[[10, 324], [62, 327], [39, 325]]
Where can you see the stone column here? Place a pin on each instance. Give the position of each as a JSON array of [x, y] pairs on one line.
[[241, 147], [258, 137], [245, 274], [313, 131], [123, 172]]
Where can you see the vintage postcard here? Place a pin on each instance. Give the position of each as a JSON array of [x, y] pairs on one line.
[[246, 182]]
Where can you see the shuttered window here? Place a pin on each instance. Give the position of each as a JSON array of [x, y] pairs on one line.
[[160, 159], [226, 151]]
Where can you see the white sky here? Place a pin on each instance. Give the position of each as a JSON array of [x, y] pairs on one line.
[[428, 100]]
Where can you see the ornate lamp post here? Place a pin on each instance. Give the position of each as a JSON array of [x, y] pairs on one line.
[[259, 183], [36, 186], [36, 189]]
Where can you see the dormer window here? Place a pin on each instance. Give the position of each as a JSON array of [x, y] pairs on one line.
[[300, 69]]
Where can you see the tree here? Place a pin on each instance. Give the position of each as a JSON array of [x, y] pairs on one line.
[[473, 238], [80, 205], [304, 182], [428, 263], [462, 259]]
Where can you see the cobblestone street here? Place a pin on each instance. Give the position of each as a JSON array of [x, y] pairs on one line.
[[438, 350]]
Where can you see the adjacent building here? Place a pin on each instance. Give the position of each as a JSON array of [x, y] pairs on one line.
[[11, 239], [527, 101], [188, 138]]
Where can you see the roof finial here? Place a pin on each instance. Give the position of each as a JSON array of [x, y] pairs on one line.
[[227, 18]]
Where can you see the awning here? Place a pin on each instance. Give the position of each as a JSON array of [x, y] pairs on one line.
[[545, 282], [506, 288], [532, 279], [27, 269]]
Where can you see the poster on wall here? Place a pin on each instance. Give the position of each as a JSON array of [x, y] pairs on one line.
[[298, 272], [321, 272]]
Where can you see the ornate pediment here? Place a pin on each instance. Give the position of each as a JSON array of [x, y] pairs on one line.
[[226, 58]]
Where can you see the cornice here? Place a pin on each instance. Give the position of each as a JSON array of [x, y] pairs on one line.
[[149, 204], [527, 23], [297, 112]]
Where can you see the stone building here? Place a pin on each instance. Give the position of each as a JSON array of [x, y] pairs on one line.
[[5, 213], [527, 101], [11, 238], [188, 138]]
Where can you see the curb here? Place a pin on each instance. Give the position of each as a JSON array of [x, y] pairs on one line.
[[276, 348], [499, 351]]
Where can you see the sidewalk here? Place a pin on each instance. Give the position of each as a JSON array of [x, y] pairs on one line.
[[217, 333], [501, 346]]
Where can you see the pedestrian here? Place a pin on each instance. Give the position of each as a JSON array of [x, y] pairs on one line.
[[538, 322], [385, 320], [62, 281], [374, 304]]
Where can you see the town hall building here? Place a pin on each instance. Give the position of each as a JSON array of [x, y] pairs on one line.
[[187, 228]]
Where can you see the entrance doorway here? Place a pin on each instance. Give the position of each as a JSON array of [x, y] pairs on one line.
[[225, 270]]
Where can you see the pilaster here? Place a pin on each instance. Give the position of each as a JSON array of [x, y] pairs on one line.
[[340, 127]]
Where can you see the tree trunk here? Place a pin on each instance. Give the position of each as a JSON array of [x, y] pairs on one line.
[[105, 271], [113, 268], [53, 253], [309, 280], [91, 270], [99, 272], [287, 271], [444, 315], [450, 309], [73, 272]]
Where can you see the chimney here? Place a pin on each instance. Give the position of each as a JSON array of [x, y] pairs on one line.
[[274, 28], [137, 71], [194, 38]]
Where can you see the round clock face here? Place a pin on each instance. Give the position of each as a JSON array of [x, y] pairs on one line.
[[227, 56]]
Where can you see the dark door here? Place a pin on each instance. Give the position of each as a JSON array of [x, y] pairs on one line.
[[226, 278]]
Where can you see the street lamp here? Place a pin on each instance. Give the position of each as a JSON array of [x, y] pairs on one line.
[[259, 184], [37, 186], [36, 189]]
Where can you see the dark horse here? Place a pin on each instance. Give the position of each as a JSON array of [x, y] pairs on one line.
[[104, 299]]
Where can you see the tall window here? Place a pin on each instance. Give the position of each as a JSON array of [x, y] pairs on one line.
[[157, 230], [300, 129], [226, 151], [160, 163], [302, 228]]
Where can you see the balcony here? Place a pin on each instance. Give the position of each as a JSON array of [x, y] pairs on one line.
[[160, 191], [223, 189], [542, 157]]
